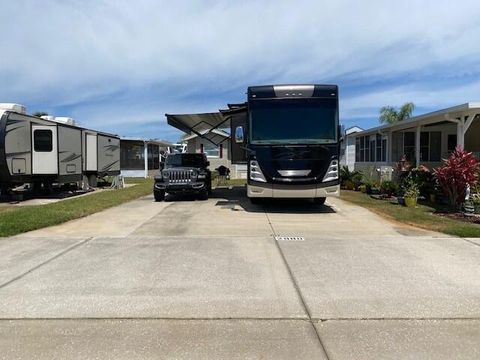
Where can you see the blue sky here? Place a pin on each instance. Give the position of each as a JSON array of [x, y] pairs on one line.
[[119, 66]]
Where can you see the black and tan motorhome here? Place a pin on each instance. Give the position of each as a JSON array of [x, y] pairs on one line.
[[52, 150]]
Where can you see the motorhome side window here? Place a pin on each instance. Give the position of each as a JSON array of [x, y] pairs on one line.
[[43, 140]]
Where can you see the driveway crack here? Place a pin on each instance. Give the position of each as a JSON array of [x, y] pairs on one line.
[[49, 260], [296, 286]]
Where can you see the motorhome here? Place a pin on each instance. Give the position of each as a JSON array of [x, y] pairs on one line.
[[289, 137], [51, 150]]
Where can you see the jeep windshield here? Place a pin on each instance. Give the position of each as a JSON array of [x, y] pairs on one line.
[[185, 160]]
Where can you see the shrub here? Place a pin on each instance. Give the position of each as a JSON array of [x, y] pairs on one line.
[[350, 178], [388, 187], [456, 173], [348, 185]]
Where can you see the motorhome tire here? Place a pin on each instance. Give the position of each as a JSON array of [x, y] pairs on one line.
[[319, 200], [255, 201]]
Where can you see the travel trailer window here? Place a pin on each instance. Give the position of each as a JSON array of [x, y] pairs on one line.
[[43, 140]]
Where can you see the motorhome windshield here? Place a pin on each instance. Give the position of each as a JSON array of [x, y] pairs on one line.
[[184, 160], [293, 121]]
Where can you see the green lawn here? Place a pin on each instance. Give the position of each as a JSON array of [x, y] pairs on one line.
[[18, 219], [422, 216]]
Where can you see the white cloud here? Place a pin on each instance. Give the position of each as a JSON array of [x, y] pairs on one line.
[[75, 53]]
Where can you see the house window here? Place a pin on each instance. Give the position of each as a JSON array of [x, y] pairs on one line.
[[397, 146], [378, 140], [212, 151], [424, 141], [42, 140], [153, 157], [430, 146], [384, 150], [132, 155], [372, 149], [409, 145], [435, 147], [451, 143], [362, 149], [357, 149]]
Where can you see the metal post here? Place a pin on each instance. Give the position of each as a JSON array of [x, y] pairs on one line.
[[145, 154], [461, 133]]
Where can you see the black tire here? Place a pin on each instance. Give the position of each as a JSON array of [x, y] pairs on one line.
[[210, 188], [255, 201], [159, 195], [319, 200], [203, 195]]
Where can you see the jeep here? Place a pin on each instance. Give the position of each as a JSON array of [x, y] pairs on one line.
[[185, 173]]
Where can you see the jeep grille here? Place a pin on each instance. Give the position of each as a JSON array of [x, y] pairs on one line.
[[180, 176]]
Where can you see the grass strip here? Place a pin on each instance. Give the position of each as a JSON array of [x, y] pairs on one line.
[[19, 219], [423, 216]]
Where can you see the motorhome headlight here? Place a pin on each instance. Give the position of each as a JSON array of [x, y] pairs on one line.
[[332, 172], [256, 173], [165, 174]]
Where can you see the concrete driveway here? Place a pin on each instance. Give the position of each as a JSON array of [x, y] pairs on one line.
[[207, 279]]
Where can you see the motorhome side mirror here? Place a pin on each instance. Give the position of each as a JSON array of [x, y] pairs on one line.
[[239, 134]]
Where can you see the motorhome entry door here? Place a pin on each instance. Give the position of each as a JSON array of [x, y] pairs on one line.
[[44, 149]]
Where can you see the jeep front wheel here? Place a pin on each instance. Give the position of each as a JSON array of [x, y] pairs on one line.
[[203, 195], [159, 195]]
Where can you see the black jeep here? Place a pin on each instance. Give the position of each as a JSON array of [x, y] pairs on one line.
[[184, 174]]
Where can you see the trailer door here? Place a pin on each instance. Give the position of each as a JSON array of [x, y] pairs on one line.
[[44, 150], [91, 152]]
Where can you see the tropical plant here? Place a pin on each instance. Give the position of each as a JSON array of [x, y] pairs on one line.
[[458, 172], [391, 115], [348, 177], [40, 113], [388, 187]]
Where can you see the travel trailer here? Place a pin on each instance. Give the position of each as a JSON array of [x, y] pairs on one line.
[[52, 150]]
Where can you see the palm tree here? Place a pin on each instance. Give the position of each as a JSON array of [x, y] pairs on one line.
[[40, 113], [390, 115]]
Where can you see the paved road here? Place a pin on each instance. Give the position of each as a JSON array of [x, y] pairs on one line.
[[207, 279]]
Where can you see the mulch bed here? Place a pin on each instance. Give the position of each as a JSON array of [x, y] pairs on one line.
[[474, 218]]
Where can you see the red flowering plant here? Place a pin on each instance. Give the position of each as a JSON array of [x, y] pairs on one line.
[[456, 173]]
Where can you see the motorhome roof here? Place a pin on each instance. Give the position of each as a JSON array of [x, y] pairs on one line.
[[292, 91]]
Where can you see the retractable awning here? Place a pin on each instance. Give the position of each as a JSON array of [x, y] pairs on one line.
[[204, 123]]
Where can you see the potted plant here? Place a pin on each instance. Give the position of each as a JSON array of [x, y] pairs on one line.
[[411, 193]]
